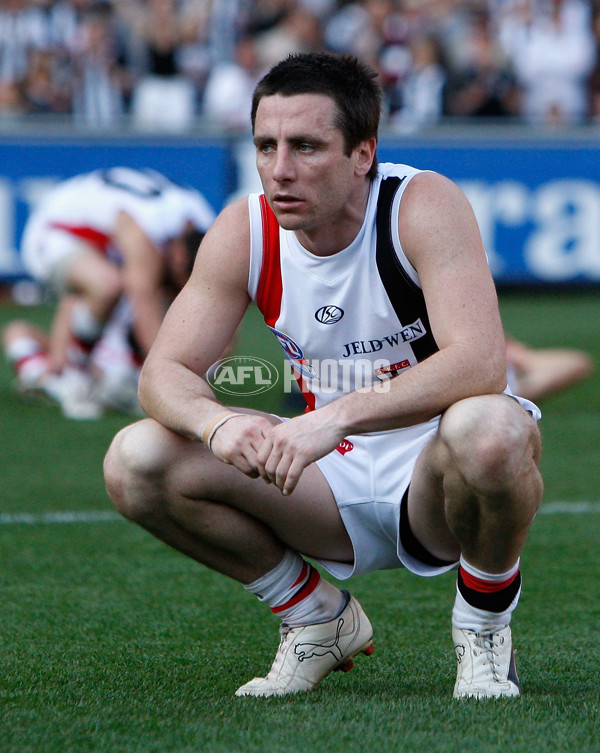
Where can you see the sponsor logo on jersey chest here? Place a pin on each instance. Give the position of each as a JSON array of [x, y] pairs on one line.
[[329, 314], [411, 332]]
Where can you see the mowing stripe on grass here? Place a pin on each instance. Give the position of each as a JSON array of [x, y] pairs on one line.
[[110, 516], [53, 518], [575, 508]]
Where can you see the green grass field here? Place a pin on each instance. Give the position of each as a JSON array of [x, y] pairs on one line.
[[110, 642]]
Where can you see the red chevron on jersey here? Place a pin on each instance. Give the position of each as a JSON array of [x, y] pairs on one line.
[[270, 286]]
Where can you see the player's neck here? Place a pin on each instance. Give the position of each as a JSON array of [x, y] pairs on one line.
[[338, 233]]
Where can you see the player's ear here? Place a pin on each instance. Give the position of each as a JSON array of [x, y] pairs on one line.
[[364, 156]]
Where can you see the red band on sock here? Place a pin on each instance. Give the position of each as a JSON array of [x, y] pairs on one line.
[[38, 355], [485, 586], [303, 575], [304, 591]]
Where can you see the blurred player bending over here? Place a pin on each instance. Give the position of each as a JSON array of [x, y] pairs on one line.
[[362, 273], [94, 240]]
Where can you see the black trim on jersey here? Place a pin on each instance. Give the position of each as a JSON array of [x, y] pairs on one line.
[[410, 542], [406, 298]]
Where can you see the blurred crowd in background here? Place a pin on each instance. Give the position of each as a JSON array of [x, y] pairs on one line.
[[178, 65]]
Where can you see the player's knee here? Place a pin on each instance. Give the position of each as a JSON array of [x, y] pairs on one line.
[[132, 469], [490, 438]]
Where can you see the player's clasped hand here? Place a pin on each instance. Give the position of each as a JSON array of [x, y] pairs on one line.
[[277, 453], [290, 447], [236, 442]]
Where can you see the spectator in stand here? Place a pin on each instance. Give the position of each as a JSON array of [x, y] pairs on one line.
[[481, 83], [46, 88], [62, 19], [100, 78], [22, 32], [226, 23], [552, 51], [164, 98], [358, 29], [422, 93], [536, 59], [378, 32], [299, 30], [228, 94], [595, 75], [12, 103], [263, 15]]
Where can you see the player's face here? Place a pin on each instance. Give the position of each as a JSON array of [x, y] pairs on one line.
[[313, 187]]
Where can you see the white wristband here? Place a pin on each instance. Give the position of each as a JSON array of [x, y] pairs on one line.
[[214, 425]]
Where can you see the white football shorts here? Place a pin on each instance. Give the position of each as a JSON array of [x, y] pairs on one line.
[[368, 475], [47, 253]]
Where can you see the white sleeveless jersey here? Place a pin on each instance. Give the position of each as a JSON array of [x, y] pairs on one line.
[[351, 320], [332, 315]]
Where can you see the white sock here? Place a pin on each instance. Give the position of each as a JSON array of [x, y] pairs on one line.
[[28, 358], [84, 325], [296, 592], [22, 347], [467, 616]]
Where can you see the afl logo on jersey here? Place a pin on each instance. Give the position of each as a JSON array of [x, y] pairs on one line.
[[292, 350], [329, 314], [294, 354]]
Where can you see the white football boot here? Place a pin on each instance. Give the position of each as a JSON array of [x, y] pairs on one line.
[[486, 664], [117, 390], [73, 390], [309, 653]]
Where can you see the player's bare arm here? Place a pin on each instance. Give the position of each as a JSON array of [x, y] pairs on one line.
[[143, 273], [441, 238], [198, 326], [442, 241], [59, 338]]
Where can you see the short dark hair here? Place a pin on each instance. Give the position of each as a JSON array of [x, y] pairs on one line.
[[350, 82]]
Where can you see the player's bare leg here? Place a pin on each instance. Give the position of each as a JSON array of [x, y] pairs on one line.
[[39, 374], [474, 494], [26, 348], [540, 372], [245, 529]]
